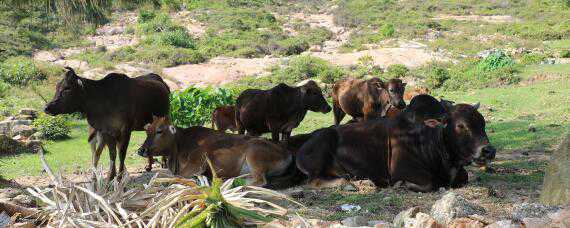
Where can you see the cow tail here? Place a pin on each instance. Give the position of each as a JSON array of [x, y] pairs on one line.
[[289, 177]]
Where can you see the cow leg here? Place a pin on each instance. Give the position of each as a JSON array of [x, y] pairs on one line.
[[112, 145], [122, 146], [461, 179], [149, 165], [97, 146], [286, 135], [338, 115]]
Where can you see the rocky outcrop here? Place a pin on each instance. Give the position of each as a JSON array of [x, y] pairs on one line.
[[556, 187], [16, 133], [452, 206]]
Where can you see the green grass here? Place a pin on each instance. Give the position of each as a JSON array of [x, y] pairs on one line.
[[67, 156]]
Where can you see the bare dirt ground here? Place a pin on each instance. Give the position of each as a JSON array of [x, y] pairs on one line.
[[488, 19]]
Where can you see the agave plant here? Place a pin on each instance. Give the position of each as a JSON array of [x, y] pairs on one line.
[[162, 202]]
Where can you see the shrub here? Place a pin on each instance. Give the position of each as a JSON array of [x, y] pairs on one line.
[[293, 46], [150, 23], [177, 38], [497, 59], [162, 55], [387, 30], [306, 67], [53, 127], [396, 71], [436, 75], [565, 54], [532, 58], [3, 89], [20, 71], [194, 106]]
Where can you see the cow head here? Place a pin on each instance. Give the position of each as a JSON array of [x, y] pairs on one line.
[[428, 110], [313, 98], [160, 138], [466, 132], [396, 90], [68, 95]]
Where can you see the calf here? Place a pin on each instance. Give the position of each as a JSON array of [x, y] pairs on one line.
[[224, 118], [366, 99], [231, 155], [277, 110]]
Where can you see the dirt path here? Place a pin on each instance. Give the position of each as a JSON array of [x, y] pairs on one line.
[[489, 19]]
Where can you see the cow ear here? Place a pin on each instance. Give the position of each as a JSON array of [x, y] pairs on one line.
[[172, 129], [79, 82], [476, 106], [146, 127], [154, 118]]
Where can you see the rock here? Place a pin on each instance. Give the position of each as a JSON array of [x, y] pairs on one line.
[[504, 224], [11, 146], [349, 207], [28, 111], [556, 186], [379, 224], [277, 223], [465, 223], [349, 187], [533, 210], [535, 222], [355, 221], [399, 220], [26, 117], [23, 130], [423, 220], [5, 219], [560, 218], [46, 56], [316, 48], [452, 206], [36, 136]]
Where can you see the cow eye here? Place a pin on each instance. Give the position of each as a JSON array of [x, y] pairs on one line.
[[158, 131]]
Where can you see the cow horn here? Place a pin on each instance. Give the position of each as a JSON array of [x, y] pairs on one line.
[[476, 106]]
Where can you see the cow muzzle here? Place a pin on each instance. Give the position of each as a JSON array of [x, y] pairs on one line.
[[485, 155]]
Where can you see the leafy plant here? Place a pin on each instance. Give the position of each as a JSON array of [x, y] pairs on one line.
[[565, 54], [497, 59], [20, 71], [532, 58], [53, 127], [194, 106], [397, 71], [305, 67], [387, 30], [4, 87], [436, 75]]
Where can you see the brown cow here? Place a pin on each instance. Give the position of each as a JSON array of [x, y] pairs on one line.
[[366, 99], [277, 110], [114, 106], [409, 95], [390, 151], [231, 155], [224, 118]]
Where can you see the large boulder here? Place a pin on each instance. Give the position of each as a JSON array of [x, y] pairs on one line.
[[400, 219], [531, 210], [23, 130], [556, 187], [452, 206], [9, 145]]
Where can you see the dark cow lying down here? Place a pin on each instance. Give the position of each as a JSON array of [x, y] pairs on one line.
[[385, 151], [231, 155]]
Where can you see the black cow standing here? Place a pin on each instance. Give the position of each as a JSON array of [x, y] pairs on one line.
[[114, 106]]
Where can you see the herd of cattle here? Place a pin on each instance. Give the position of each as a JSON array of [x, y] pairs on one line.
[[422, 146]]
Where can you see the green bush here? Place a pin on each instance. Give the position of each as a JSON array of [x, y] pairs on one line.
[[304, 67], [565, 54], [177, 38], [387, 30], [293, 46], [496, 60], [194, 106], [396, 71], [532, 58], [151, 22], [162, 55], [4, 87], [20, 71], [53, 127], [436, 74]]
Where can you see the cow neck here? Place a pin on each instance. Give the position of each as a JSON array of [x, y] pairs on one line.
[[174, 153], [89, 91]]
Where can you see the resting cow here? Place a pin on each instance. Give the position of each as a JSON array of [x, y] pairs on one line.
[[224, 118], [231, 155], [277, 110], [114, 106], [389, 151], [366, 99]]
